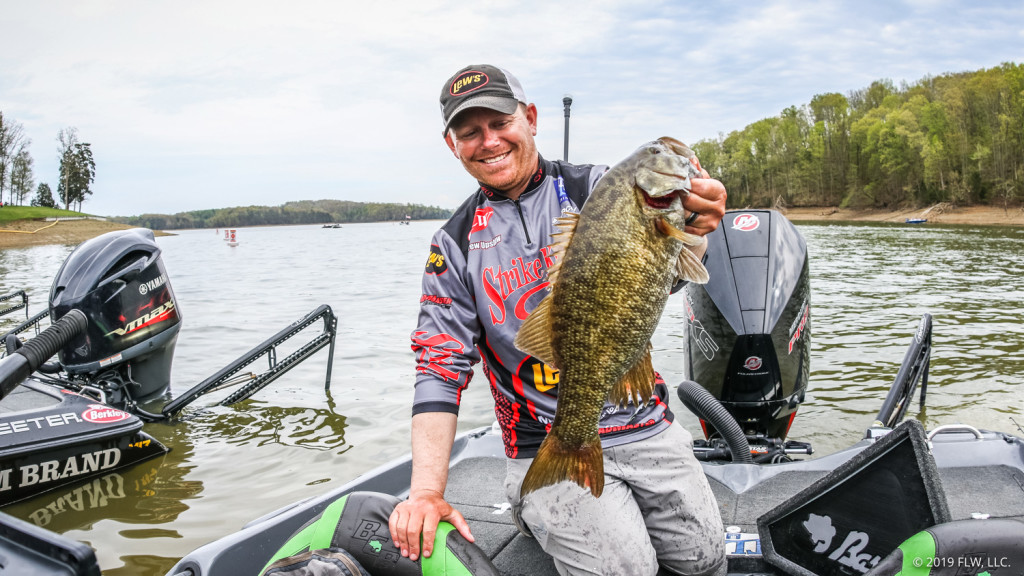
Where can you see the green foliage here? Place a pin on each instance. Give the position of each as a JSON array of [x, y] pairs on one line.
[[953, 138], [44, 197], [302, 212], [77, 172]]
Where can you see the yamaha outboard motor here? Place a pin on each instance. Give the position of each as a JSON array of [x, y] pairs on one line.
[[118, 280], [748, 341]]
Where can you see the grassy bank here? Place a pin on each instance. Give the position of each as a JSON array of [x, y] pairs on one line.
[[23, 226], [14, 213]]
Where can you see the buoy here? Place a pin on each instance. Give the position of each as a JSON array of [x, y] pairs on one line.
[[232, 239]]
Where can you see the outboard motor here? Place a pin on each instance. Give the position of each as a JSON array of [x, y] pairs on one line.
[[749, 333], [118, 280]]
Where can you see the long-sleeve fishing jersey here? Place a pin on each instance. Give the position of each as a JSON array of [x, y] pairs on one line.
[[485, 274]]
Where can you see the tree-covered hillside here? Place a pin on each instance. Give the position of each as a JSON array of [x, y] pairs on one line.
[[953, 138], [301, 212]]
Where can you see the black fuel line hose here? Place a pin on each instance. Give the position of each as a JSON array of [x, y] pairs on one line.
[[25, 360], [707, 407]]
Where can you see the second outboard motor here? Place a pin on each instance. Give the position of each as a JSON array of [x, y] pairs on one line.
[[119, 281], [748, 341]]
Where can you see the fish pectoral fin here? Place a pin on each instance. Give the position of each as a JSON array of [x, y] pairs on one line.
[[637, 384], [556, 462], [667, 229], [690, 268], [535, 336]]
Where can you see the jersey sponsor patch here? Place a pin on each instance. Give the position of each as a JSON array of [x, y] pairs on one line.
[[437, 264], [434, 354]]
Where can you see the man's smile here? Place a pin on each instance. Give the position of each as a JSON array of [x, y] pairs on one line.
[[495, 159]]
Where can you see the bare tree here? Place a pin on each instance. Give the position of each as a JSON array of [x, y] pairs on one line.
[[22, 178], [12, 138]]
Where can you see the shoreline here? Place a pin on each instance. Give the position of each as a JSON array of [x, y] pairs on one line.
[[26, 233], [937, 214]]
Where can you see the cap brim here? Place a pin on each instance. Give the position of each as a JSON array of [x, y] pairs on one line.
[[497, 103]]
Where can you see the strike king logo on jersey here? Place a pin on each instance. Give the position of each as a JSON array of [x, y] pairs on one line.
[[500, 283], [434, 354], [436, 262], [162, 312]]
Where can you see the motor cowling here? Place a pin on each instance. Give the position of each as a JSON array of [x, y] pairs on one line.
[[119, 281], [748, 339]]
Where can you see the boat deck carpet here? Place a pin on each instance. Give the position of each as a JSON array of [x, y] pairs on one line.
[[476, 488]]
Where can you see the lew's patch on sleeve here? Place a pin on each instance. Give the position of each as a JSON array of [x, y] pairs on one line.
[[437, 264]]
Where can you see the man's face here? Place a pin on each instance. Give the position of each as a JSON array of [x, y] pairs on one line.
[[495, 148]]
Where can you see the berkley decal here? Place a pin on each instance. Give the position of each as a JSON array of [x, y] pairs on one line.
[[145, 287], [467, 82], [752, 363], [481, 218], [436, 262], [163, 312], [746, 222], [99, 414]]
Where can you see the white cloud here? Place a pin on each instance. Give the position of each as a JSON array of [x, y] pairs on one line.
[[194, 105]]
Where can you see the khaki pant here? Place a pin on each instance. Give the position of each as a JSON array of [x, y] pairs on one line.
[[656, 508]]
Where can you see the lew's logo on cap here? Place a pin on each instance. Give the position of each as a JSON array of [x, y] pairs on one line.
[[467, 82]]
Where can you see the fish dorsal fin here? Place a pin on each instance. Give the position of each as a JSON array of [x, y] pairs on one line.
[[566, 226], [637, 384], [688, 266], [534, 336]]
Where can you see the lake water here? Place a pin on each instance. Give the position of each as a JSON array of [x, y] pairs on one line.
[[228, 465]]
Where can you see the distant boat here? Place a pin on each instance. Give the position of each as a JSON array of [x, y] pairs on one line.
[[332, 225], [916, 220]]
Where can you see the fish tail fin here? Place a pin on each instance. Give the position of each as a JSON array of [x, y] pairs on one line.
[[637, 384], [556, 462]]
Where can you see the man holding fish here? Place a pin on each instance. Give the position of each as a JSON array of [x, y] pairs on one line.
[[556, 275]]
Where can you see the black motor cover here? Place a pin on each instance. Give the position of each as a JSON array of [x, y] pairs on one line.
[[118, 279], [748, 341]]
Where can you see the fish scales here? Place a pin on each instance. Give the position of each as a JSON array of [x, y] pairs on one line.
[[617, 263]]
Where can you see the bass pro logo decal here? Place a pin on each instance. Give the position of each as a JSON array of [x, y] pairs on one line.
[[746, 222], [437, 264], [99, 414], [467, 82]]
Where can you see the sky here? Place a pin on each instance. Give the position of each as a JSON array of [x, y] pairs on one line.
[[198, 104]]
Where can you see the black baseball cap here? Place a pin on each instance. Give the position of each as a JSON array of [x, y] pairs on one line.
[[480, 86]]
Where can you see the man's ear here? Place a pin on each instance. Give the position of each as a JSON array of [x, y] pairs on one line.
[[451, 143]]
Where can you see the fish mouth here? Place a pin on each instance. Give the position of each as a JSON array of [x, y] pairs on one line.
[[663, 202]]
